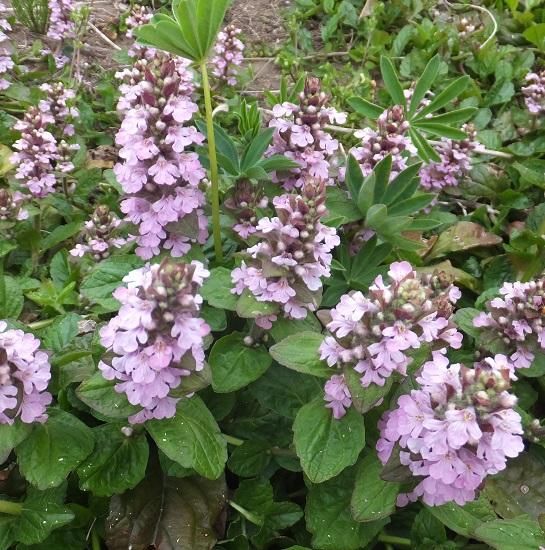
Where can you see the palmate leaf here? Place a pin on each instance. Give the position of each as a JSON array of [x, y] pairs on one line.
[[424, 83], [391, 81], [452, 91], [192, 31]]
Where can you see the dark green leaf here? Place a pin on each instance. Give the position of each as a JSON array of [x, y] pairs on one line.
[[365, 108], [327, 446], [391, 81], [425, 83], [235, 365], [452, 91], [216, 290], [256, 148]]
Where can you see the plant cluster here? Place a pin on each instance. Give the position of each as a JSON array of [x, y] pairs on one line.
[[304, 319]]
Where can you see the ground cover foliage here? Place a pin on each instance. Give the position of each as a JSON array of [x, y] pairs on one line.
[[308, 316]]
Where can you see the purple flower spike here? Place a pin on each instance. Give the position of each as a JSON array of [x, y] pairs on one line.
[[156, 339], [24, 375], [229, 55], [456, 430], [286, 266], [158, 171], [534, 92], [300, 136], [374, 334]]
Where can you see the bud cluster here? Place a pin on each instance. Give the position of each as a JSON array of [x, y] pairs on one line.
[[390, 138], [61, 24], [138, 16], [158, 171], [515, 322], [534, 92], [24, 375], [454, 431], [228, 55], [373, 334], [455, 162], [286, 266], [156, 339], [43, 154], [11, 211], [6, 63], [300, 136], [100, 235], [243, 203]]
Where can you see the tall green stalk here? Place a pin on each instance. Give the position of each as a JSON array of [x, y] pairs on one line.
[[214, 177]]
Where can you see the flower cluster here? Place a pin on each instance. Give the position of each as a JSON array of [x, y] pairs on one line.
[[299, 135], [24, 375], [100, 235], [242, 204], [455, 162], [515, 322], [11, 209], [138, 16], [157, 336], [285, 268], [534, 92], [390, 138], [159, 173], [456, 430], [42, 151], [6, 63], [373, 334], [228, 55], [61, 25]]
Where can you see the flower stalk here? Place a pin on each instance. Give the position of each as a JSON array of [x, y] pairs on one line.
[[214, 176]]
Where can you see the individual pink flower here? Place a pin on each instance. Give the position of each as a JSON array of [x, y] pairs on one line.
[[156, 339], [374, 334], [337, 396], [453, 432], [301, 137], [286, 267], [24, 376]]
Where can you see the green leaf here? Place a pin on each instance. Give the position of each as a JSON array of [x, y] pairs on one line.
[[327, 446], [192, 438], [301, 352], [425, 151], [354, 177], [216, 290], [515, 534], [250, 459], [277, 163], [54, 449], [107, 276], [536, 35], [329, 519], [365, 108], [464, 520], [464, 320], [403, 185], [282, 328], [365, 399], [412, 205], [441, 130], [373, 498], [425, 83], [117, 463], [391, 81], [340, 209], [427, 531], [61, 333], [168, 513], [59, 234], [99, 394], [249, 307], [164, 33], [60, 269], [11, 298], [382, 173], [256, 148], [452, 117], [41, 515], [11, 436], [452, 91], [235, 365]]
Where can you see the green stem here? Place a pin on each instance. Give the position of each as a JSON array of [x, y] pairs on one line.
[[395, 541], [214, 177], [41, 324], [233, 440], [256, 520], [95, 540], [11, 508]]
